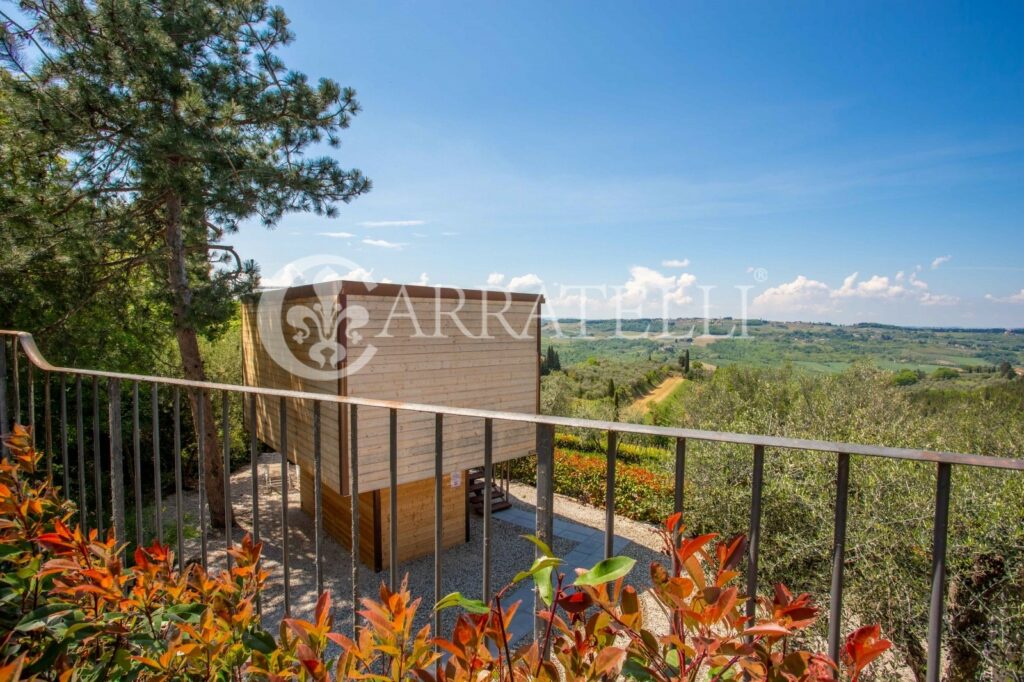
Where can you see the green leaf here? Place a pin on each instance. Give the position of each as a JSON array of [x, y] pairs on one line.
[[456, 599], [538, 564], [542, 579], [606, 571], [541, 545], [36, 620], [260, 640]]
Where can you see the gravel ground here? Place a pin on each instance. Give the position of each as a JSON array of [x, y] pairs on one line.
[[461, 567]]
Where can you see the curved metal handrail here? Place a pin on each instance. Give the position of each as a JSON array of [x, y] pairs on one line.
[[934, 456]]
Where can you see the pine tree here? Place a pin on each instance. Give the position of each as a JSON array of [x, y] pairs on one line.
[[183, 115]]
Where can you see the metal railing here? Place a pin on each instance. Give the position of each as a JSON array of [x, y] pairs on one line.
[[545, 432]]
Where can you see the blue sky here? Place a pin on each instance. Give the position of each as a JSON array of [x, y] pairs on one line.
[[780, 146]]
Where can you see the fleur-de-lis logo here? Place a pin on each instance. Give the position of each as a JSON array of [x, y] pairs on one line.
[[324, 318], [303, 338]]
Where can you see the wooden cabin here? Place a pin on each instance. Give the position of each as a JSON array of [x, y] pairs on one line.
[[452, 347]]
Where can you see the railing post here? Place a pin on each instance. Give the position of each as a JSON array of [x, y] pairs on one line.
[[835, 611], [545, 502], [64, 435], [97, 455], [438, 512], [285, 564], [225, 432], [137, 463], [680, 473], [15, 381], [755, 530], [353, 488], [393, 500], [83, 497], [179, 507], [254, 470], [200, 412], [48, 426], [938, 598], [609, 495], [488, 494], [318, 503], [158, 519], [31, 394], [116, 464], [4, 424]]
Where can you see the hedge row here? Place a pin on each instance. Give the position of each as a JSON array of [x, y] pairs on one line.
[[640, 494]]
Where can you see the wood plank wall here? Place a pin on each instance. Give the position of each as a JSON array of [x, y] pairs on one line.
[[429, 360]]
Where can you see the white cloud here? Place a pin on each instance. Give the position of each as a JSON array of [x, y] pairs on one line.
[[1012, 298], [876, 287], [646, 285], [804, 294], [929, 298], [392, 223], [495, 279], [449, 234], [676, 263], [940, 260], [523, 282], [291, 275], [800, 294], [423, 280], [337, 235], [383, 243]]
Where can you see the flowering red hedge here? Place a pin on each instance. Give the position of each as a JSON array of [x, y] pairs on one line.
[[640, 494]]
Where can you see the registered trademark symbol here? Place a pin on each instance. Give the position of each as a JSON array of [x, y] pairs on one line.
[[760, 275]]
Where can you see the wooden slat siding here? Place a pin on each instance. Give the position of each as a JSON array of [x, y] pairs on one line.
[[416, 518], [455, 370], [337, 515], [452, 370]]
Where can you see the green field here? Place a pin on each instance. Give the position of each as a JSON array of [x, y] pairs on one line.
[[819, 348]]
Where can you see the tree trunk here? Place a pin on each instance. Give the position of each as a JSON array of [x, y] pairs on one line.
[[192, 360]]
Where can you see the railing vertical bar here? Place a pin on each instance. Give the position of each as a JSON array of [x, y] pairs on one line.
[[200, 397], [48, 426], [116, 464], [609, 495], [225, 428], [137, 463], [755, 529], [83, 498], [254, 466], [64, 435], [353, 485], [158, 512], [15, 381], [393, 500], [938, 596], [4, 425], [179, 511], [283, 407], [30, 390], [438, 512], [488, 495], [97, 456], [680, 473], [544, 526], [318, 502], [835, 611]]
